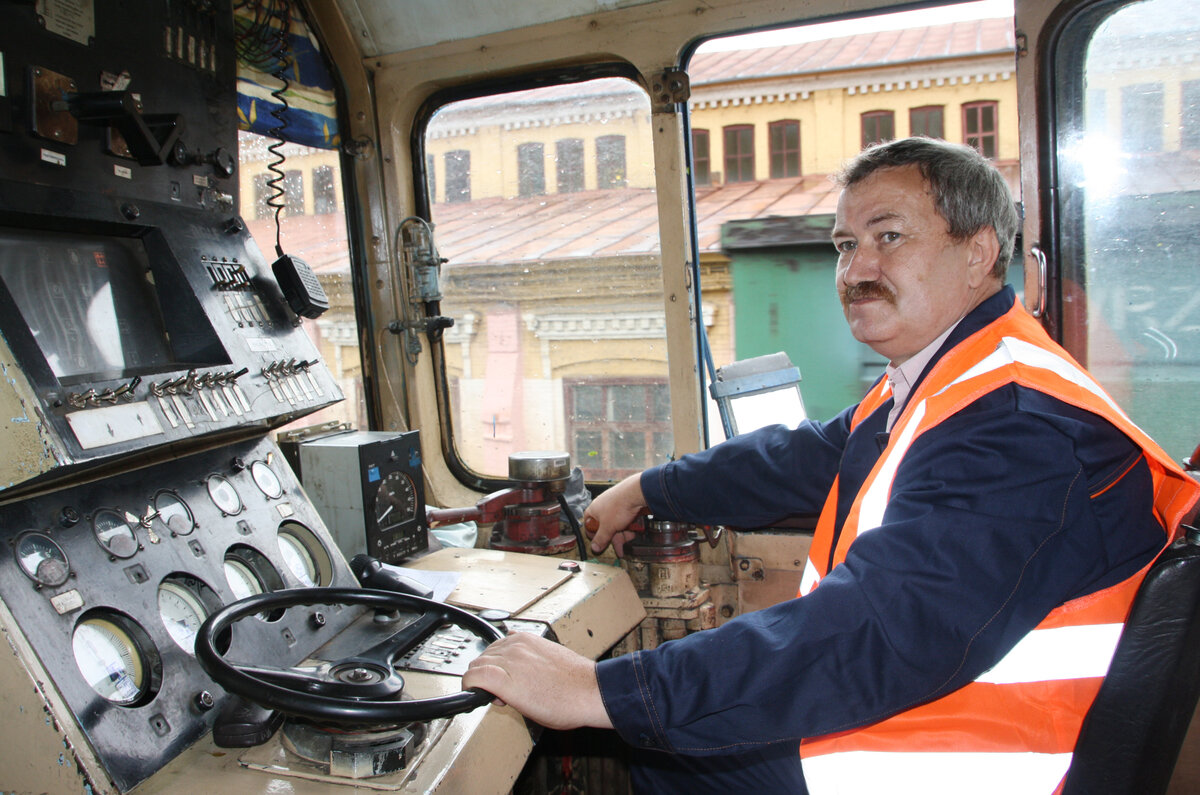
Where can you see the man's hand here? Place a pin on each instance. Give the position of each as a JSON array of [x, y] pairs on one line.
[[542, 680], [611, 513]]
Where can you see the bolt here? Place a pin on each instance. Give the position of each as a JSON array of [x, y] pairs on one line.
[[317, 620], [744, 565]]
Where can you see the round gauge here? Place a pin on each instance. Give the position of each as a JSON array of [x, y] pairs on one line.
[[42, 559], [182, 612], [266, 479], [174, 513], [224, 495], [304, 555], [116, 657], [115, 533], [241, 578], [395, 500]]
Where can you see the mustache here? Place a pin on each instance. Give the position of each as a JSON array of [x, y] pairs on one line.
[[867, 290]]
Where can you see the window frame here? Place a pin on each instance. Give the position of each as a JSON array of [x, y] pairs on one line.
[[701, 165], [927, 109], [982, 136], [782, 155], [744, 160], [875, 118]]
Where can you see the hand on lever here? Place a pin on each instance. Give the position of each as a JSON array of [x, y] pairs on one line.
[[609, 514], [545, 682]]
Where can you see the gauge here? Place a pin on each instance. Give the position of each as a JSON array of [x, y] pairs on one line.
[[304, 554], [241, 578], [266, 479], [42, 559], [174, 513], [224, 495], [182, 612], [114, 532], [116, 657], [395, 500]]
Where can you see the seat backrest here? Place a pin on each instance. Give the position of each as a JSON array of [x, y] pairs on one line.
[[1132, 734]]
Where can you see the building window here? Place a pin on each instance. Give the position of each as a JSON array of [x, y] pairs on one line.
[[784, 147], [293, 192], [927, 121], [739, 153], [324, 191], [431, 176], [568, 162], [262, 196], [610, 161], [980, 127], [877, 126], [1142, 117], [1189, 113], [701, 158], [458, 176], [531, 170], [618, 427]]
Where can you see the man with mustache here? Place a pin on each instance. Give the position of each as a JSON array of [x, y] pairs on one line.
[[986, 515]]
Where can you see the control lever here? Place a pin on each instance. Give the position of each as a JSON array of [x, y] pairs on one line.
[[373, 574]]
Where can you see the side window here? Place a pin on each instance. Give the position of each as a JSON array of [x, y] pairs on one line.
[[878, 125], [559, 332], [1127, 212], [980, 127], [320, 239], [765, 262]]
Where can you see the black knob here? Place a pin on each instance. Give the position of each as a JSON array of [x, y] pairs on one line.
[[68, 516]]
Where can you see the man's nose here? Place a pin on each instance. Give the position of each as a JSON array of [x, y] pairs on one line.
[[860, 265]]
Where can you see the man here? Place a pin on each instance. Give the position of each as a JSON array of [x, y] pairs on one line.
[[986, 516]]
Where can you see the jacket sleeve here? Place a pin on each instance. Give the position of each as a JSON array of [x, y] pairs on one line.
[[990, 526], [753, 479]]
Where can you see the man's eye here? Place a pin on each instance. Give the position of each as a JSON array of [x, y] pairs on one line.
[[845, 245], [889, 237]]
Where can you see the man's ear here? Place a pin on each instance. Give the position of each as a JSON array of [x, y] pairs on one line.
[[982, 249]]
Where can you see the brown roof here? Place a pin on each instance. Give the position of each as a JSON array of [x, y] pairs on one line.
[[952, 40], [605, 223]]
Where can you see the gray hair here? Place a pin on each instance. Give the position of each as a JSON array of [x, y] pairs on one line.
[[968, 191]]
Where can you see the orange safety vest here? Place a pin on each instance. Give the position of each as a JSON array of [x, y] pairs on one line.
[[1014, 728]]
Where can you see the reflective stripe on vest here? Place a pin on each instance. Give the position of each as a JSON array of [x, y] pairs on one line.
[[1013, 729]]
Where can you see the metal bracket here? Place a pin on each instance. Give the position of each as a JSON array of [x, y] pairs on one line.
[[669, 88], [745, 568]]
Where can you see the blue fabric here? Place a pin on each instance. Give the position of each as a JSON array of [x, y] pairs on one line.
[[997, 516]]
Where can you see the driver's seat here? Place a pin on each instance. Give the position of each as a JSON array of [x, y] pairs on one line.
[[1132, 734]]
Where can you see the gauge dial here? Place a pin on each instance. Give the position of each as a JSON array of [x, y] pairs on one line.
[[182, 612], [114, 532], [42, 559], [298, 559], [174, 513], [395, 500], [241, 578], [110, 659], [224, 495], [266, 479], [304, 554]]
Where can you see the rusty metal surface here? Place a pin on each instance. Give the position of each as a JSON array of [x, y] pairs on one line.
[[51, 119]]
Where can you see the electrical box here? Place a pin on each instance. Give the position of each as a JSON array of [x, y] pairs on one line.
[[367, 486]]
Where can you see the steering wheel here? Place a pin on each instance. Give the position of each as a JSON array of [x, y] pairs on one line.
[[363, 688]]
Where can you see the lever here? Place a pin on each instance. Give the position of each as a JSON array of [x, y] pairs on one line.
[[373, 574]]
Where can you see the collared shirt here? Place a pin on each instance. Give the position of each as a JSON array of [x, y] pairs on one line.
[[901, 379]]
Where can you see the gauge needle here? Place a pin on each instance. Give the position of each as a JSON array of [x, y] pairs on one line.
[[384, 515]]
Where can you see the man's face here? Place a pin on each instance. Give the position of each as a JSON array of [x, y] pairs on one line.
[[901, 277]]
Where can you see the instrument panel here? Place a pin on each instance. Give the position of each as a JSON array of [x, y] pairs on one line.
[[111, 581]]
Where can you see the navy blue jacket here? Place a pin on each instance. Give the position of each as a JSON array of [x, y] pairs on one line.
[[1001, 513]]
